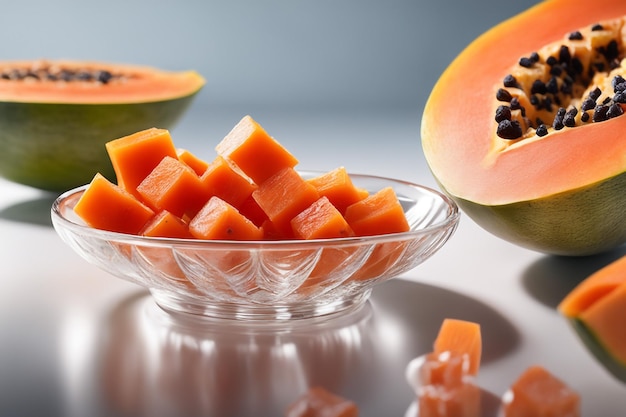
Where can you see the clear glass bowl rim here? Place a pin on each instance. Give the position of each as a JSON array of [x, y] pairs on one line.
[[452, 216]]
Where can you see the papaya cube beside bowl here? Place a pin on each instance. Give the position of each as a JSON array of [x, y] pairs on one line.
[[56, 116], [266, 280]]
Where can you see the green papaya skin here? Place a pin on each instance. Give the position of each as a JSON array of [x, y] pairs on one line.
[[56, 146], [585, 221], [615, 368]]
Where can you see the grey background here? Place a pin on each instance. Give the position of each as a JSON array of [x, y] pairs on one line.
[[309, 56]]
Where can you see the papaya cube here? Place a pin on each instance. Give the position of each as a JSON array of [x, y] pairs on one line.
[[134, 156], [321, 220], [538, 393], [174, 187], [462, 337], [107, 206], [221, 180], [194, 162], [319, 402], [377, 214], [255, 152], [338, 187], [443, 388], [165, 224], [220, 220], [283, 196]]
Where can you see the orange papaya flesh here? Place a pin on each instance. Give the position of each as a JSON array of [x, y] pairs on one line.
[[254, 151], [596, 309], [510, 186], [194, 162], [174, 187], [379, 213], [282, 196], [136, 155], [321, 220], [106, 206], [462, 337], [223, 181], [220, 220], [538, 393], [337, 186], [593, 288], [166, 180], [445, 390]]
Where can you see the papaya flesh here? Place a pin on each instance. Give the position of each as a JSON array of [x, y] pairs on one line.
[[596, 309], [524, 129], [56, 116]]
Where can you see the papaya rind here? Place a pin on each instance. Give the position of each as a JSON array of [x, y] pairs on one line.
[[58, 146], [585, 221], [591, 342]]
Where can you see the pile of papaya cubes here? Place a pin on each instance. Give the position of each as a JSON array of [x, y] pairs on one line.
[[250, 191]]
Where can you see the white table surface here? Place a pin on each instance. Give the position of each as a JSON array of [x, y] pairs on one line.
[[75, 341]]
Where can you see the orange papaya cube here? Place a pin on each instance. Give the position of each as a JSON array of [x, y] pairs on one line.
[[538, 393], [255, 152], [321, 220], [221, 180], [594, 288], [174, 187], [194, 162], [220, 220], [165, 224], [444, 390], [462, 337], [134, 156], [377, 214], [337, 186], [107, 206], [283, 196], [251, 209], [319, 402]]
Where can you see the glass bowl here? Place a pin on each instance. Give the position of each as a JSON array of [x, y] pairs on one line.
[[266, 280]]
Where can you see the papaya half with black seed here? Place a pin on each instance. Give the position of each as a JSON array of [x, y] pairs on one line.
[[56, 116], [526, 130], [596, 308]]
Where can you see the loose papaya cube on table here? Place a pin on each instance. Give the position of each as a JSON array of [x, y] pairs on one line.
[[107, 206], [255, 152], [319, 402], [199, 165], [444, 390], [538, 393], [378, 214], [134, 156], [174, 187], [220, 220], [337, 186], [321, 220], [462, 337], [283, 196], [223, 181]]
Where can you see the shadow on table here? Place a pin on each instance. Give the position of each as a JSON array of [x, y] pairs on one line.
[[36, 211], [150, 363], [551, 278]]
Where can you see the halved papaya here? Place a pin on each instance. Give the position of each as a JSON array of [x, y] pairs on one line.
[[596, 308], [56, 116], [525, 128]]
